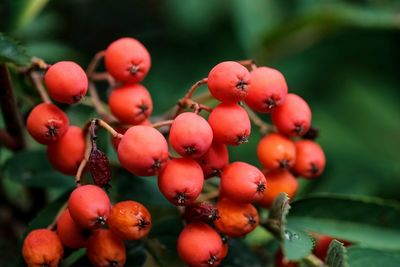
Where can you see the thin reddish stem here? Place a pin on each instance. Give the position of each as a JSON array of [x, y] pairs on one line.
[[36, 78], [162, 123], [264, 127], [53, 224]]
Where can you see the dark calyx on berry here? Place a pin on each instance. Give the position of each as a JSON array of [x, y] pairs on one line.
[[314, 170], [242, 139], [156, 165], [242, 85], [311, 134], [298, 129], [113, 264], [142, 223], [216, 172], [270, 102], [77, 98], [284, 164], [180, 198], [52, 131], [101, 221], [143, 108], [250, 219], [134, 69], [212, 260], [261, 187], [190, 150]]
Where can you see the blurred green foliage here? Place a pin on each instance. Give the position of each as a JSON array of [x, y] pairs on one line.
[[341, 56]]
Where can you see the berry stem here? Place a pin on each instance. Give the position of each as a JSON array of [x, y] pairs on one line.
[[162, 123], [107, 127], [264, 127], [250, 64], [103, 76], [94, 63], [194, 87], [98, 104], [36, 79], [188, 102], [88, 149], [53, 224], [208, 196], [314, 261]]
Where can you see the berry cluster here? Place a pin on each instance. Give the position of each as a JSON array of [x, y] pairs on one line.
[[199, 151]]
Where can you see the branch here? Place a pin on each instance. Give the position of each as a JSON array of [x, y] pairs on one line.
[[250, 64], [264, 127], [37, 82], [12, 118]]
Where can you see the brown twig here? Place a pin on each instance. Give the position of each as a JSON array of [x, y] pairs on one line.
[[36, 79], [99, 105], [250, 64], [208, 196], [103, 76], [264, 127], [94, 63], [187, 101], [53, 224], [7, 140], [8, 103], [162, 123], [110, 129], [194, 87]]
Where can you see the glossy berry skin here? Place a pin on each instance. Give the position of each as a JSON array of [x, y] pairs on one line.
[[190, 135], [181, 181], [89, 206], [129, 220], [278, 181], [310, 159], [47, 123], [199, 245], [106, 249], [276, 151], [42, 247], [127, 60], [66, 154], [236, 219], [214, 160], [143, 151], [130, 103], [66, 82], [229, 81], [293, 117], [230, 124], [243, 182], [268, 90], [71, 234]]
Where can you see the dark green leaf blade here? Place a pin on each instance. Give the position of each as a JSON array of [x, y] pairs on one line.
[[368, 221], [12, 52], [369, 257]]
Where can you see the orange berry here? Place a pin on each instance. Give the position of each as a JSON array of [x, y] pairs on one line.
[[66, 154], [71, 234], [42, 247], [276, 151], [236, 219], [278, 181], [310, 159], [47, 123], [105, 249], [130, 220]]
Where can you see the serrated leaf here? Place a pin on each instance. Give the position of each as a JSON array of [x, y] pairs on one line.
[[296, 244], [277, 215], [368, 221], [12, 52], [337, 255], [368, 257], [32, 168]]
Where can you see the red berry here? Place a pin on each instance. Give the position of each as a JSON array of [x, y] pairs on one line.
[[47, 123], [229, 81], [181, 181], [243, 182], [322, 246], [143, 151], [66, 154], [268, 89], [42, 247], [129, 220], [106, 249], [293, 117], [71, 234], [310, 159], [236, 219], [199, 245], [131, 103], [190, 135], [89, 206], [66, 82], [278, 181], [276, 151], [127, 60], [214, 160], [230, 124]]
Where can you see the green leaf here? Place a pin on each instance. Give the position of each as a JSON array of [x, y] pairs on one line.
[[74, 257], [296, 244], [368, 257], [32, 168], [239, 254], [368, 221], [29, 11], [337, 255], [12, 52]]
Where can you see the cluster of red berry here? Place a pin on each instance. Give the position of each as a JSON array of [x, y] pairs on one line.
[[144, 151]]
